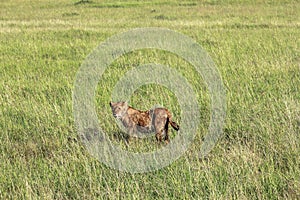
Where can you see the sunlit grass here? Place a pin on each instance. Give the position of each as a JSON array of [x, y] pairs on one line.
[[255, 46]]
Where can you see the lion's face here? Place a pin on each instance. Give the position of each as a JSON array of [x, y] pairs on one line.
[[118, 109]]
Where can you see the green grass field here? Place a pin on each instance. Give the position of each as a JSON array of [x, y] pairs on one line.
[[255, 46]]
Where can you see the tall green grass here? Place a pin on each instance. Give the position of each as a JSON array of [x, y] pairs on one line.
[[255, 45]]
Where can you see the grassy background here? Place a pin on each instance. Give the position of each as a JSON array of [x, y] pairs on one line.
[[255, 45]]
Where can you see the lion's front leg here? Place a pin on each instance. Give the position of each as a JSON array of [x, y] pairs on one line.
[[132, 132]]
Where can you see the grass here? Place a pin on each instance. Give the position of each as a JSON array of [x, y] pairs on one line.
[[255, 45]]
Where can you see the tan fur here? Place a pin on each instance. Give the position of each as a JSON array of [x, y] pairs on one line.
[[135, 120]]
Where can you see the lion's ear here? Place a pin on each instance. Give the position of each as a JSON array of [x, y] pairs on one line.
[[110, 103], [126, 104]]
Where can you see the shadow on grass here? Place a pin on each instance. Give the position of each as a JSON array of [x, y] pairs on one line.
[[83, 2]]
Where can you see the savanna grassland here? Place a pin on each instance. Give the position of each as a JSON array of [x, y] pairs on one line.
[[255, 46]]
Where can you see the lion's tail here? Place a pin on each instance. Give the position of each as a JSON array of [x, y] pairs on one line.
[[173, 124]]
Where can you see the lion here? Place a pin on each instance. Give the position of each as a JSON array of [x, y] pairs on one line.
[[155, 120]]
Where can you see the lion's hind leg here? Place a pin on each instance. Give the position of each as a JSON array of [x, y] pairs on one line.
[[158, 135]]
